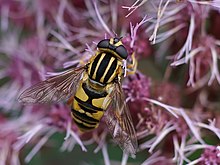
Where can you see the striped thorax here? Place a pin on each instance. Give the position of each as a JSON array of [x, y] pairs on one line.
[[104, 67]]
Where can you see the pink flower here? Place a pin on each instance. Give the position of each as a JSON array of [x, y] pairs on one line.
[[171, 110]]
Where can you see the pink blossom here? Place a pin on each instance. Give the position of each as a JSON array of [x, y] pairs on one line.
[[173, 95]]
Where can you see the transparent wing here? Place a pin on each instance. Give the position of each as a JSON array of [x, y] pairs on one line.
[[53, 89], [119, 122]]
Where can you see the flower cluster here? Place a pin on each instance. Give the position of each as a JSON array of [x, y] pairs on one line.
[[173, 96]]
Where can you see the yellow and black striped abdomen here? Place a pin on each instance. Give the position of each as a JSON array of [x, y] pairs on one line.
[[103, 68], [87, 107]]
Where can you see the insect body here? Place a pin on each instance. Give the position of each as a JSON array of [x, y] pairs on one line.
[[94, 91]]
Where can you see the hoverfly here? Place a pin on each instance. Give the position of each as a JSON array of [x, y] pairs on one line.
[[93, 91]]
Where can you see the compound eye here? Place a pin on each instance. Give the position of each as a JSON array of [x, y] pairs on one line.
[[103, 43], [116, 40], [122, 52]]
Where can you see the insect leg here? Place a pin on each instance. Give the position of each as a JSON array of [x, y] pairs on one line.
[[70, 101], [132, 67]]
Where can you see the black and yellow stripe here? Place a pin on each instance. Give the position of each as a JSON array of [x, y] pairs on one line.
[[103, 68], [83, 126], [86, 115], [92, 98]]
